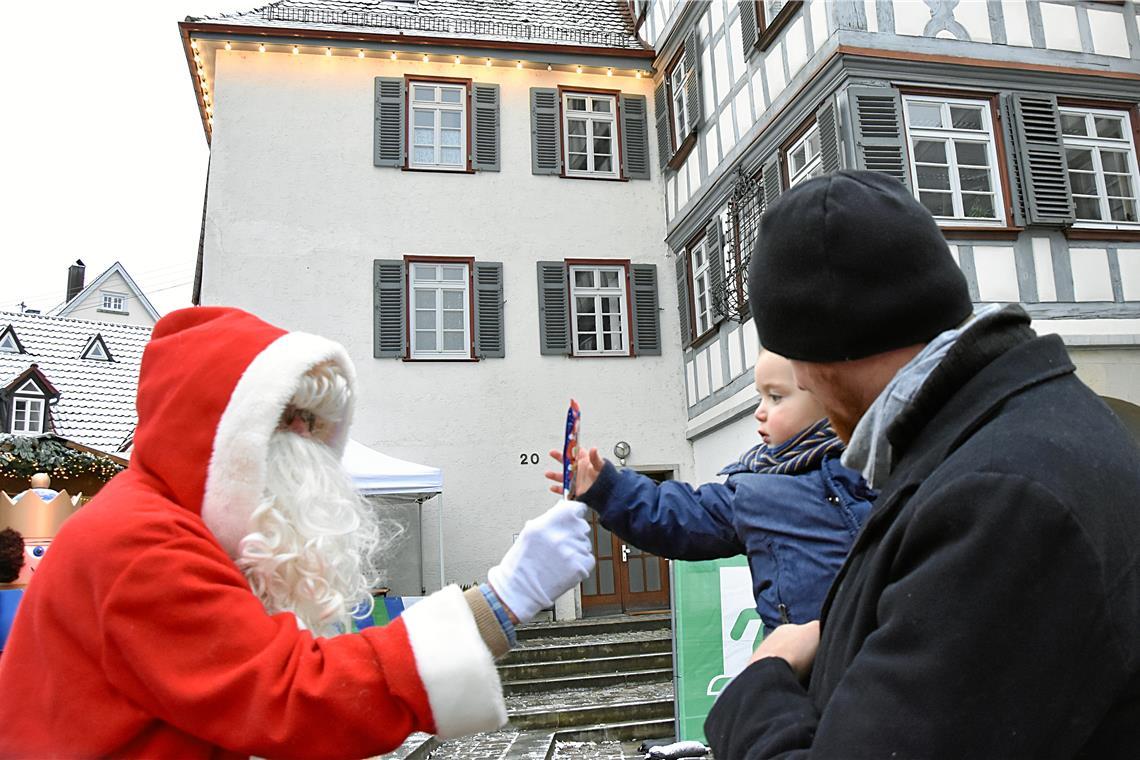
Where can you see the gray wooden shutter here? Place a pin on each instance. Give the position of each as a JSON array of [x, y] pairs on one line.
[[683, 297], [714, 249], [388, 137], [545, 150], [773, 182], [749, 27], [825, 119], [693, 78], [877, 126], [646, 321], [1038, 151], [490, 342], [553, 308], [664, 132], [634, 137], [389, 306], [485, 130]]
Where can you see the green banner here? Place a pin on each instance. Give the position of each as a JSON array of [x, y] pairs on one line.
[[715, 630]]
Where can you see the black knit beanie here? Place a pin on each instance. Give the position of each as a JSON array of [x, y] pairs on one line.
[[850, 265]]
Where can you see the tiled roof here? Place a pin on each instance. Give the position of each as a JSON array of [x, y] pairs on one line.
[[588, 23], [96, 405]]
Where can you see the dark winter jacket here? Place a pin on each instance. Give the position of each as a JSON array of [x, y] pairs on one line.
[[795, 529], [991, 606]]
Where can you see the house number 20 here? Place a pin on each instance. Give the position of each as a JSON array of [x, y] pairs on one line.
[[531, 458]]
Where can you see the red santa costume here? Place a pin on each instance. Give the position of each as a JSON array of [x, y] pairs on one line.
[[140, 637]]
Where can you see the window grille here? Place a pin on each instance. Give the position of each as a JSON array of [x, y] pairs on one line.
[[745, 207]]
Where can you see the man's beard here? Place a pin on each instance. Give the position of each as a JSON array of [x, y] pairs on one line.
[[313, 539]]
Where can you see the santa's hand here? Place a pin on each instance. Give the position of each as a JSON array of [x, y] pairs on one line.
[[552, 555]]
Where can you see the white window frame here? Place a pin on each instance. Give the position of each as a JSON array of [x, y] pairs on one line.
[[591, 118], [679, 102], [700, 285], [948, 136], [38, 403], [437, 107], [1095, 144], [111, 299], [438, 285], [813, 162], [598, 293], [8, 344]]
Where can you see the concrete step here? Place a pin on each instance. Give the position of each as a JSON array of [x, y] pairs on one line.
[[590, 626], [583, 648], [635, 730], [586, 666], [615, 712], [599, 681]]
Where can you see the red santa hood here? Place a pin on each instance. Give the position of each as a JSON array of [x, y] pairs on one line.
[[212, 386]]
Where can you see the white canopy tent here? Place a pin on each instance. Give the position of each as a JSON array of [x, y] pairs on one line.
[[377, 474]]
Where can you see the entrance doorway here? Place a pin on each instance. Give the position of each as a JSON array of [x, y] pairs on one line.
[[625, 578]]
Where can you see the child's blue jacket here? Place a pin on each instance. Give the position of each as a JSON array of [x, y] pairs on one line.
[[795, 529]]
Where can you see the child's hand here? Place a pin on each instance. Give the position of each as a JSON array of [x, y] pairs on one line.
[[590, 464]]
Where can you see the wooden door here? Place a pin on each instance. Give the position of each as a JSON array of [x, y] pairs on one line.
[[625, 578]]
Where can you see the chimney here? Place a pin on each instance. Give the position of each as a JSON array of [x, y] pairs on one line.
[[75, 279]]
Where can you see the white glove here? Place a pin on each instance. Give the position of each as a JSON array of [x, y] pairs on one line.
[[552, 555]]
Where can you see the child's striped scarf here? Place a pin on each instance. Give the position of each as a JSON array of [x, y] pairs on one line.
[[803, 452]]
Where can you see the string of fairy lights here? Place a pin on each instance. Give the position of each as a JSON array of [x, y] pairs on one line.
[[394, 55], [22, 457]]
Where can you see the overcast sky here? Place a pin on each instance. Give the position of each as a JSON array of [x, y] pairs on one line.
[[104, 157]]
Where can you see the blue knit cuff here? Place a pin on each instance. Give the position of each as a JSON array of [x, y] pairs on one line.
[[500, 613]]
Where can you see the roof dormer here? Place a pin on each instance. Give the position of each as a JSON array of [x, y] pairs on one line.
[[9, 343], [25, 402], [96, 350]]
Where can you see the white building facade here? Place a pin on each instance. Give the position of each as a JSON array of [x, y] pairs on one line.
[[1014, 122], [479, 223]]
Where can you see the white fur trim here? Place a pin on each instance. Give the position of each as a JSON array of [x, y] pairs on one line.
[[455, 665], [236, 477]]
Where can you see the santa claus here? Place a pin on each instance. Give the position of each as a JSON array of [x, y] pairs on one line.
[[193, 607]]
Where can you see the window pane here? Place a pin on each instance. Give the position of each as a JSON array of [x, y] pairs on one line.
[[601, 129], [933, 177], [578, 162], [587, 323], [451, 95], [424, 137], [698, 257], [450, 137], [451, 156], [939, 204], [603, 164], [1122, 210], [587, 342], [966, 117], [930, 151], [611, 304], [601, 106], [971, 153], [585, 305], [453, 299], [425, 340], [606, 577], [584, 278], [978, 206], [453, 273], [1114, 161], [577, 144], [1073, 124], [1088, 208], [925, 114], [1079, 159], [1118, 185], [452, 341], [452, 320], [576, 104], [608, 341], [609, 322], [576, 127], [424, 93], [618, 343], [1109, 126], [813, 143], [1082, 183], [423, 155], [424, 117], [425, 320], [609, 278], [974, 179], [450, 119], [425, 299]]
